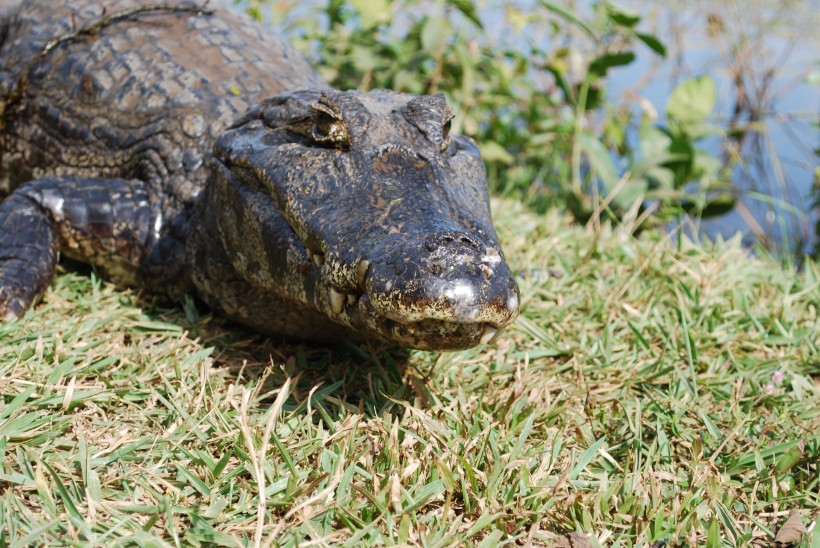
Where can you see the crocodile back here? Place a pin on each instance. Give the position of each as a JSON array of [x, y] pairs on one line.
[[138, 97]]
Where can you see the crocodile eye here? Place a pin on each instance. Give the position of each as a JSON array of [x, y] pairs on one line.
[[445, 134], [328, 126]]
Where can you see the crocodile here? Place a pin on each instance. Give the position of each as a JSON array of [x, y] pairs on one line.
[[187, 149]]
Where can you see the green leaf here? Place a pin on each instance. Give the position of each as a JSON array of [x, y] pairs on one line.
[[68, 501], [194, 481], [791, 457], [372, 12], [447, 476], [653, 143], [594, 95], [599, 158], [17, 402], [493, 152], [608, 60], [586, 458], [713, 536], [364, 58], [660, 178], [481, 523], [569, 16], [705, 164], [711, 427], [423, 495], [632, 191], [434, 34], [682, 149], [691, 103], [718, 205], [622, 16], [467, 8], [559, 71], [652, 42]]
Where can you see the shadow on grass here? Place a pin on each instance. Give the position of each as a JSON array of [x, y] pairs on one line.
[[368, 378]]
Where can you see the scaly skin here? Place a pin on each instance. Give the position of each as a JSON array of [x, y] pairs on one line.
[[199, 153]]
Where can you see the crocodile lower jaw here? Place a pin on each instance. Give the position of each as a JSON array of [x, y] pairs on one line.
[[357, 312]]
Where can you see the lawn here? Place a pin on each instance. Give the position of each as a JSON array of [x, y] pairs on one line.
[[653, 391]]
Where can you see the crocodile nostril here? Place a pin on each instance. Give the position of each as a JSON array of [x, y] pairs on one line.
[[451, 240]]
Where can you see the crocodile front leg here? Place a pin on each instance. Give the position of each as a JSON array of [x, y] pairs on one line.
[[113, 224]]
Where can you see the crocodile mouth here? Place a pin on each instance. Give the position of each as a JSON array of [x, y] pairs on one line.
[[445, 315], [357, 311]]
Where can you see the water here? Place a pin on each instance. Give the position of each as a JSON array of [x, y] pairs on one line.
[[769, 48]]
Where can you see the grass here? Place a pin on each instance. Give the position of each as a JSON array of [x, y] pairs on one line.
[[651, 391]]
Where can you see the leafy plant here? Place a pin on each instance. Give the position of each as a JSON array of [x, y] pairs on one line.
[[666, 169], [533, 96]]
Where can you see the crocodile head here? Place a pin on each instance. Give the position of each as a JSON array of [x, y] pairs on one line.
[[387, 216]]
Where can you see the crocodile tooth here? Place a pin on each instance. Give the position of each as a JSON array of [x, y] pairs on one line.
[[352, 298], [361, 272], [319, 259], [337, 301], [487, 334], [490, 334]]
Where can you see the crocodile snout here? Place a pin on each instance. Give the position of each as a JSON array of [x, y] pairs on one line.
[[449, 277]]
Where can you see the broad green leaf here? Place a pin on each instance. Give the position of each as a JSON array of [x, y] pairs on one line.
[[710, 425], [705, 164], [16, 403], [593, 97], [493, 152], [682, 149], [423, 495], [599, 66], [719, 204], [615, 133], [652, 42], [622, 16], [632, 191], [599, 158], [653, 142], [692, 102], [660, 178], [481, 523]]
